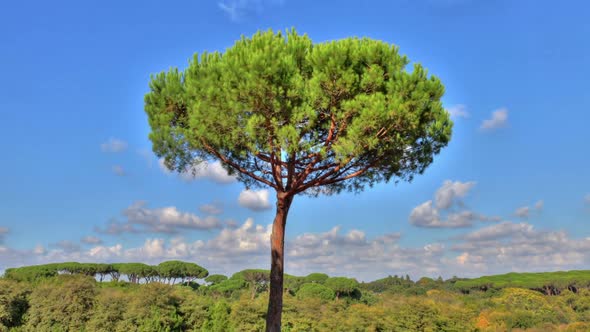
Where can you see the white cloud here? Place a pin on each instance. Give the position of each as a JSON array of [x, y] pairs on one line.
[[237, 9], [256, 200], [213, 171], [458, 111], [118, 170], [498, 231], [587, 199], [522, 212], [168, 220], [450, 191], [114, 145], [495, 249], [246, 239], [214, 208], [105, 252], [91, 240], [447, 198], [519, 247], [426, 215], [499, 119]]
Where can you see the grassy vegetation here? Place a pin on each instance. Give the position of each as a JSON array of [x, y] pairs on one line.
[[68, 297]]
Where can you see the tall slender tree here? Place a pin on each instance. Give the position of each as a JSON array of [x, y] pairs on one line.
[[282, 112]]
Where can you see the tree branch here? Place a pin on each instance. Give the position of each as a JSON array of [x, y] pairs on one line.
[[236, 166]]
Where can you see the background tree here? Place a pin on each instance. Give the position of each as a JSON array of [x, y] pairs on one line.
[[313, 290], [257, 279], [300, 118], [215, 279], [342, 285], [319, 278]]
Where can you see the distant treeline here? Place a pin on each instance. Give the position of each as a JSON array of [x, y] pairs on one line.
[[171, 272], [549, 283], [134, 297], [165, 272]]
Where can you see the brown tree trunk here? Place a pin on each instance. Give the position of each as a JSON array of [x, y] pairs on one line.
[[277, 246]]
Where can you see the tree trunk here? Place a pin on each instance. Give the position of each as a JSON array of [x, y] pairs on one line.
[[277, 246]]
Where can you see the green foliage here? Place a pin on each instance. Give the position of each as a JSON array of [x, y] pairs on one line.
[[319, 278], [109, 310], [393, 284], [31, 273], [550, 283], [342, 285], [74, 302], [228, 287], [135, 271], [248, 315], [63, 303], [218, 320], [154, 307], [172, 270], [13, 303], [278, 92], [292, 284], [215, 279], [418, 316], [318, 291], [301, 118]]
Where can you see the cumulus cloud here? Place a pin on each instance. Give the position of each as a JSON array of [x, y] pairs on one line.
[[118, 170], [256, 200], [214, 208], [446, 199], [499, 231], [354, 254], [169, 220], [458, 111], [520, 247], [497, 248], [166, 219], [91, 240], [426, 215], [213, 171], [114, 145], [499, 119], [524, 212], [450, 192], [249, 238]]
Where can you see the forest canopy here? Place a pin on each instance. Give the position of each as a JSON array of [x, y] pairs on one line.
[[182, 296]]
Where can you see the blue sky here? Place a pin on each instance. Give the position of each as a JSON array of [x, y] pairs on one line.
[[510, 193]]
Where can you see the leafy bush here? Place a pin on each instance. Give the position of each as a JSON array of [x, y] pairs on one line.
[[317, 291]]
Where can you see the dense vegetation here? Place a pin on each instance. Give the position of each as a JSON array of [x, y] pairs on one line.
[[140, 297]]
